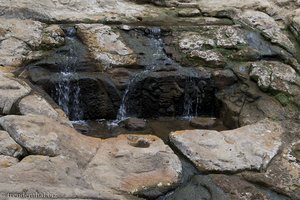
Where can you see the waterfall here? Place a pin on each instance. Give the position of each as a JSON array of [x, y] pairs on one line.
[[156, 45], [67, 89], [156, 59], [192, 99]]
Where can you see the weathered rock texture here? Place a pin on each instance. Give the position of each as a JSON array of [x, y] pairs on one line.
[[70, 165], [250, 147], [10, 91]]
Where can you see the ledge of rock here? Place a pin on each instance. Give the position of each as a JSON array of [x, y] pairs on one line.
[[37, 105], [248, 148], [105, 45], [41, 135]]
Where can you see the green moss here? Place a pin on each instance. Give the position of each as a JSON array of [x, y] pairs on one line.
[[283, 99]]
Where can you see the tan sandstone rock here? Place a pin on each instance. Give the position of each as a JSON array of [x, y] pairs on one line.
[[105, 45], [11, 90]]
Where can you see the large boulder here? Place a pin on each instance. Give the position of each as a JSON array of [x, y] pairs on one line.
[[105, 45], [203, 45], [37, 105], [41, 135], [11, 91], [18, 38], [250, 147], [124, 165]]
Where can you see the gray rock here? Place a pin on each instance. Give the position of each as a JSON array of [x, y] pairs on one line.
[[36, 105], [268, 27], [135, 124], [282, 174], [275, 76], [189, 12], [250, 147], [224, 78], [200, 187], [237, 188], [11, 90], [17, 38], [9, 147], [71, 11], [57, 176], [203, 122]]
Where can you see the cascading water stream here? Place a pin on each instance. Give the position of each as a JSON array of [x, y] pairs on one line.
[[157, 59], [157, 45], [67, 91]]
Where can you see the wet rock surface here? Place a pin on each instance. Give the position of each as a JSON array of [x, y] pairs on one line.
[[135, 124]]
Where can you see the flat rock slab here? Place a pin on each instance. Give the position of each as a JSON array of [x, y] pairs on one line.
[[250, 147], [122, 165]]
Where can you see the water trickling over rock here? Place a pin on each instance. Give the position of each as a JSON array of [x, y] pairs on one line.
[[67, 93], [163, 88]]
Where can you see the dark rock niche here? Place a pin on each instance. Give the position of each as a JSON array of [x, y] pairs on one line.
[[172, 93]]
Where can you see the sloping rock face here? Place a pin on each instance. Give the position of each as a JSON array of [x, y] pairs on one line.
[[41, 135], [249, 147], [69, 10], [105, 45]]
